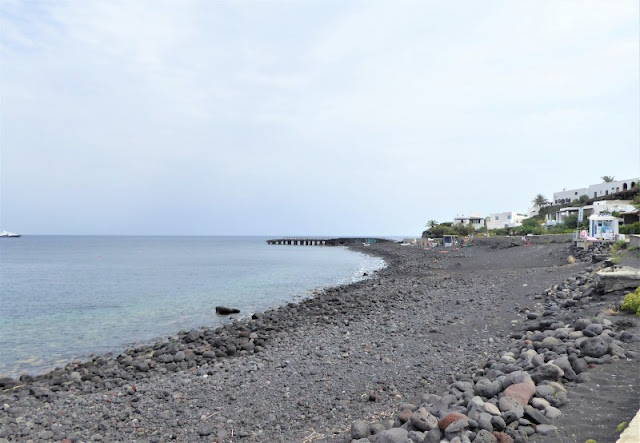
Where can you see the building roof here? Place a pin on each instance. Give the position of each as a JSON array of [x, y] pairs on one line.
[[602, 217]]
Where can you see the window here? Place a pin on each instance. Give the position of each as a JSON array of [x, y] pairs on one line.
[[497, 217], [575, 193], [509, 217]]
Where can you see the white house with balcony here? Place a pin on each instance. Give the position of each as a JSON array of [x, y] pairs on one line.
[[505, 220], [567, 196], [594, 191], [611, 188], [602, 207], [475, 220]]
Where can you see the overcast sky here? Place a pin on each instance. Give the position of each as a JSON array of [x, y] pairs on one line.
[[307, 117]]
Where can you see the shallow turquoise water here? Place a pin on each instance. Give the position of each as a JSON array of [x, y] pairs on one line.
[[64, 297]]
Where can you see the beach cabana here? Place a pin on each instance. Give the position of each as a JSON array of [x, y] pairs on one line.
[[449, 241], [604, 227]]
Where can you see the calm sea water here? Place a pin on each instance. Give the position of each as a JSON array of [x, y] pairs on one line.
[[63, 297]]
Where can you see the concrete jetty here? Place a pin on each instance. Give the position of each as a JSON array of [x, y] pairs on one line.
[[325, 241]]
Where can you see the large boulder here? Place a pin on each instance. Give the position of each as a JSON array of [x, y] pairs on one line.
[[359, 429], [594, 347], [422, 420], [617, 279], [484, 436], [223, 310], [451, 417], [548, 371], [487, 388], [394, 435], [521, 392]]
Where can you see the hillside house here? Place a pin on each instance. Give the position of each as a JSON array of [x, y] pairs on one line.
[[505, 220], [594, 191], [597, 208], [477, 221], [631, 217]]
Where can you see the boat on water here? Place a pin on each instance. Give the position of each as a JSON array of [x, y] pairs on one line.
[[7, 234]]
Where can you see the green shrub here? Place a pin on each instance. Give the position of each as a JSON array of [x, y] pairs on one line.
[[529, 226], [618, 246], [632, 302], [633, 228]]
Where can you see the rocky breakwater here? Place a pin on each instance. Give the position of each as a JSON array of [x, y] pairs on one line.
[[596, 252], [519, 392]]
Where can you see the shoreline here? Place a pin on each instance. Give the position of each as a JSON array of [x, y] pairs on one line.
[[352, 352], [117, 323], [230, 322]]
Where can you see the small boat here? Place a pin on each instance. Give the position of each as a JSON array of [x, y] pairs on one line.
[[7, 234]]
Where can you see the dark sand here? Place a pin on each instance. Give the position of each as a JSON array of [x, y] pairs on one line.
[[354, 352]]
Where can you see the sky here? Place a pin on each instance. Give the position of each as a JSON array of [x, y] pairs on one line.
[[307, 117]]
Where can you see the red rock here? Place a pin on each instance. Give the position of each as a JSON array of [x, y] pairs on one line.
[[521, 392], [404, 415], [502, 437], [451, 417]]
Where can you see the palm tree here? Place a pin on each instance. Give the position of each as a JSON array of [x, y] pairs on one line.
[[540, 200], [432, 224], [607, 179]]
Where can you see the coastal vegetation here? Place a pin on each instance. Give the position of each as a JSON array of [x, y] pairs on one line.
[[632, 302], [540, 200], [536, 225], [533, 225], [633, 228], [448, 228]]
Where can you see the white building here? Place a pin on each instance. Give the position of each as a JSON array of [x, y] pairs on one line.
[[610, 188], [535, 210], [597, 208], [563, 213], [567, 196], [593, 191], [604, 227], [475, 220], [505, 220], [612, 206], [532, 212]]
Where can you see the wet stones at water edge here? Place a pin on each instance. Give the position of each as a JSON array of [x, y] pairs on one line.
[[518, 392], [197, 348], [223, 310]]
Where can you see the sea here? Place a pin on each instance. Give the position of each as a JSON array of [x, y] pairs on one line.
[[70, 297]]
